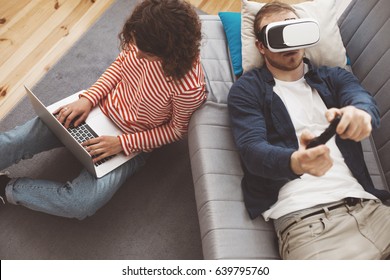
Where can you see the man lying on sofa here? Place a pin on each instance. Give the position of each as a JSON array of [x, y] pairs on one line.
[[321, 199]]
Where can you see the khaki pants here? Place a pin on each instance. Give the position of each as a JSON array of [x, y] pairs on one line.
[[346, 232]]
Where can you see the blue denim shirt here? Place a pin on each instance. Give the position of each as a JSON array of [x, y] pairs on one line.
[[265, 136]]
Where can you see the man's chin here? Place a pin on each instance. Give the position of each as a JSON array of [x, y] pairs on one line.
[[289, 61], [290, 65], [293, 60]]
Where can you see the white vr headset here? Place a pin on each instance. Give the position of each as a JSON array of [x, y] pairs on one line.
[[290, 34]]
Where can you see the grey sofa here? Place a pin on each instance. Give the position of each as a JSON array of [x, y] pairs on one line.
[[227, 232]]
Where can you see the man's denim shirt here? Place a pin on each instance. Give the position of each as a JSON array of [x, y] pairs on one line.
[[265, 136]]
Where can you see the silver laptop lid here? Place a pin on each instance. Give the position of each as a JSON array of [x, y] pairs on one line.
[[100, 124], [60, 131]]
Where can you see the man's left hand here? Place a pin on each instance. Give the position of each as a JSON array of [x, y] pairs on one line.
[[355, 124]]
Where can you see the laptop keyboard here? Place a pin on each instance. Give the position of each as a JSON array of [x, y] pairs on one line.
[[84, 132]]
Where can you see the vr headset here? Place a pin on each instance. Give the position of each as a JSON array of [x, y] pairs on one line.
[[290, 34]]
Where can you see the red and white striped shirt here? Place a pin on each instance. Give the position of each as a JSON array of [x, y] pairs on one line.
[[150, 109]]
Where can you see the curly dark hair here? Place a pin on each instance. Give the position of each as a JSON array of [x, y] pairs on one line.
[[169, 29]]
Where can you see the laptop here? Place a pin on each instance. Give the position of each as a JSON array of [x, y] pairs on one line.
[[96, 124]]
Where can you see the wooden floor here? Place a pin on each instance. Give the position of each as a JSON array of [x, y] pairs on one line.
[[34, 34]]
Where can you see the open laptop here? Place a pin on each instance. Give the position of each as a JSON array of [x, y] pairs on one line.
[[97, 123]]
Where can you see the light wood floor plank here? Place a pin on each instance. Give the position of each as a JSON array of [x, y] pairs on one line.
[[44, 44], [27, 20], [213, 7], [62, 30], [32, 42], [12, 14]]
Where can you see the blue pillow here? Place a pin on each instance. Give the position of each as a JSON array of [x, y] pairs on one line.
[[231, 22], [348, 60]]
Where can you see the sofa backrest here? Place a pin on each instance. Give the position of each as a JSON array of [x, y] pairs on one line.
[[365, 28], [215, 59]]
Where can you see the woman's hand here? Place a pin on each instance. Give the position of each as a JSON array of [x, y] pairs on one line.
[[103, 146], [77, 111]]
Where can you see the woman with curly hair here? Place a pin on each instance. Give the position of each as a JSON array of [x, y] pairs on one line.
[[150, 92], [174, 37]]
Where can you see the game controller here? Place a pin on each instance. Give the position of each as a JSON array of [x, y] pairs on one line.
[[326, 135]]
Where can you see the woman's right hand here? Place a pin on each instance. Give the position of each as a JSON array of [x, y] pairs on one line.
[[76, 111]]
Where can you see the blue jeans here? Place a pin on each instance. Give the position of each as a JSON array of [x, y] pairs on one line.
[[79, 198]]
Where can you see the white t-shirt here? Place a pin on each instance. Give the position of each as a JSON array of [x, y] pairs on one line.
[[307, 111]]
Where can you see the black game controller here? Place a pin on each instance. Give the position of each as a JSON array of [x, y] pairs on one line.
[[326, 135]]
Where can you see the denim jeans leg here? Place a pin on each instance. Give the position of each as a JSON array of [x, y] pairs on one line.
[[80, 198], [25, 141]]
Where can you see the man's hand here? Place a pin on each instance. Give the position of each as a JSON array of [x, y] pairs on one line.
[[103, 146], [78, 111], [315, 161], [355, 124]]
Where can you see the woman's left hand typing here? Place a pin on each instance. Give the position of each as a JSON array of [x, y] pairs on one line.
[[102, 147]]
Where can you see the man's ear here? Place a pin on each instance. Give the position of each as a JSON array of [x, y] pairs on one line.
[[260, 46]]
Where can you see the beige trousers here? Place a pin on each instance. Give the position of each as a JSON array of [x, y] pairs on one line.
[[347, 232]]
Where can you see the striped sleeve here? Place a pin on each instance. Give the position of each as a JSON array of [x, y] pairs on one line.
[[106, 83], [183, 106]]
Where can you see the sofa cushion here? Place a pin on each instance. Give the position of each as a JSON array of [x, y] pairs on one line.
[[235, 236], [364, 27], [227, 232], [329, 51]]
